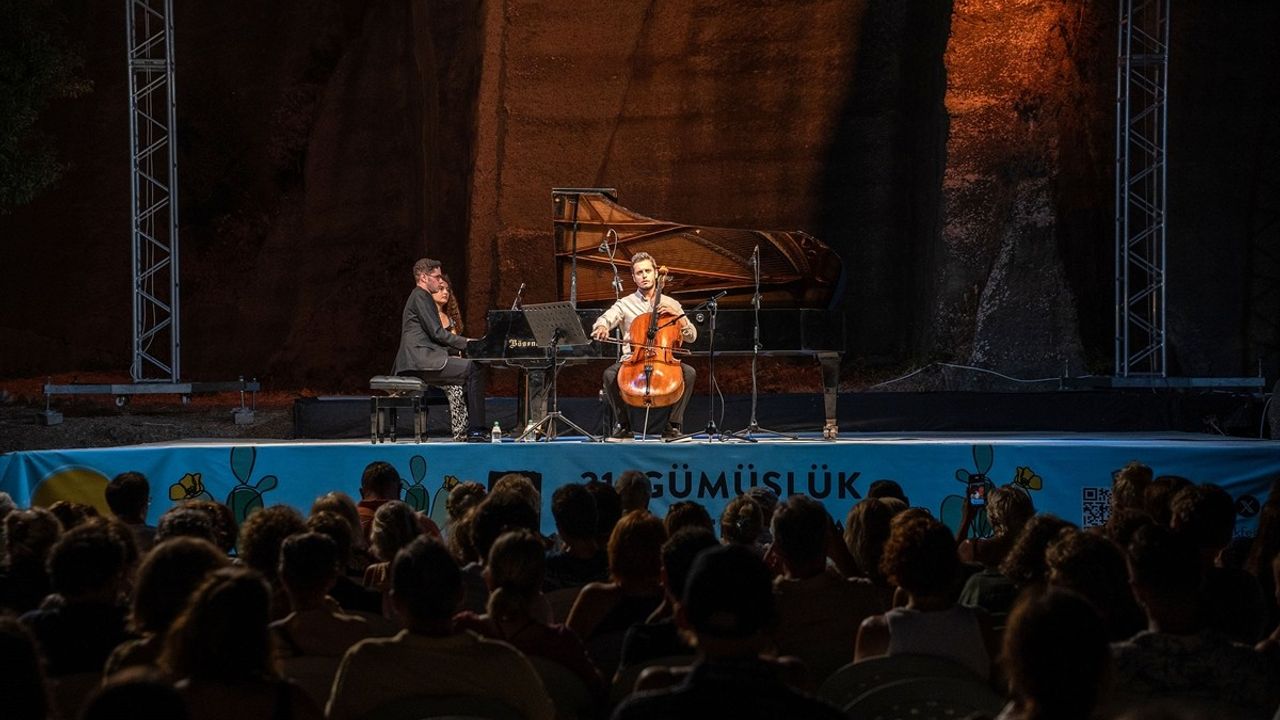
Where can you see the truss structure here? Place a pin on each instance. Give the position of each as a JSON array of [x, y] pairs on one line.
[[154, 189], [1142, 78]]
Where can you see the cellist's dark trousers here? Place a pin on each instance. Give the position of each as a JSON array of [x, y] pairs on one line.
[[620, 409]]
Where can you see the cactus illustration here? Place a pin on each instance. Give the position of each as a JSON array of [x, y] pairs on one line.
[[440, 503], [415, 495], [246, 498]]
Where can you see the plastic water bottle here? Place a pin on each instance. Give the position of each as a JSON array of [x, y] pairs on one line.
[[496, 435]]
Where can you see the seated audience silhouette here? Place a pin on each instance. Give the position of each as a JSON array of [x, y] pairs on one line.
[[430, 657], [729, 606], [129, 496], [1091, 565], [1206, 515], [659, 635], [1056, 657], [579, 559], [24, 578]]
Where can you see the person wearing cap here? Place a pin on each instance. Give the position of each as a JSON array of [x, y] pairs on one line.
[[729, 607]]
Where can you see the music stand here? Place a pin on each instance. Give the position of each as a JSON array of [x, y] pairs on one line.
[[552, 324]]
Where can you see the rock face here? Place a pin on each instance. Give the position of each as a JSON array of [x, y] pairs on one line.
[[958, 156]]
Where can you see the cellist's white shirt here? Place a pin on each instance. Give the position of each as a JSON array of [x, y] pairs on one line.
[[624, 312]]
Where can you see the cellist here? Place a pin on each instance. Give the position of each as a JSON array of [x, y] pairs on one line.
[[644, 272]]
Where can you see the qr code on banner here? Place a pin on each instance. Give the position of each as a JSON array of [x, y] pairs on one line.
[[1095, 506]]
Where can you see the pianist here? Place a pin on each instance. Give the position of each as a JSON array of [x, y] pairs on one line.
[[644, 271], [425, 345]]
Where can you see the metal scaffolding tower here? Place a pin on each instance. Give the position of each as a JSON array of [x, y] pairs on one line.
[[154, 188], [156, 368], [1142, 78]]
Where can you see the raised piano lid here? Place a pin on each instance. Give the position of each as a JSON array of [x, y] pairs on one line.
[[796, 269]]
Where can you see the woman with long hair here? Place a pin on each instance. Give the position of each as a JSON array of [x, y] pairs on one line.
[[218, 652], [451, 320]]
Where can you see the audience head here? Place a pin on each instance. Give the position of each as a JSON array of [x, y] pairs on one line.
[[395, 525], [136, 694], [687, 514], [72, 514], [1090, 564], [1129, 484], [608, 508], [183, 521], [22, 684], [729, 595], [1164, 567], [514, 572], [337, 529], [1025, 564], [129, 495], [1124, 522], [1056, 654], [7, 505], [461, 539], [87, 564], [920, 557], [222, 633], [380, 481], [426, 582], [574, 511], [1206, 514], [262, 534], [635, 548], [341, 504], [168, 576], [1158, 497], [462, 498], [634, 490], [1009, 508], [500, 512], [800, 526], [522, 486], [866, 530], [225, 531], [309, 566], [1266, 542], [887, 489], [29, 534], [678, 554], [741, 521]]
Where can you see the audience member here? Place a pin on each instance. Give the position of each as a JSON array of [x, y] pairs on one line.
[[634, 490], [1178, 654], [261, 536], [866, 530], [1023, 567], [461, 499], [1129, 485], [1056, 657], [729, 606], [22, 683], [129, 496], [86, 568], [819, 610], [309, 567], [184, 521], [1092, 565], [167, 578], [24, 578], [499, 513], [1206, 515], [635, 589], [348, 589], [73, 514], [659, 635], [1159, 494], [136, 694], [887, 489], [1009, 508], [741, 522], [460, 542], [380, 484], [344, 507], [522, 486], [1263, 551], [514, 573], [225, 530], [608, 509], [920, 559], [219, 652], [395, 525], [1123, 523], [580, 559], [687, 514], [430, 658], [767, 499]]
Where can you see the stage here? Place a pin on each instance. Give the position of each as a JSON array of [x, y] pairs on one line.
[[1068, 474]]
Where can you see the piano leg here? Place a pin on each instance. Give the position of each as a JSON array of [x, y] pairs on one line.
[[533, 397], [830, 363]]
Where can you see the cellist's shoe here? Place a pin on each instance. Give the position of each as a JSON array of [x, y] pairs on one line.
[[622, 433], [672, 433]]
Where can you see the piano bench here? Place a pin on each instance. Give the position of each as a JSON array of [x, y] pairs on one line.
[[402, 393]]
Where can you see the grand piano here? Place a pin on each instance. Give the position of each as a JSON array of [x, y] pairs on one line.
[[800, 279]]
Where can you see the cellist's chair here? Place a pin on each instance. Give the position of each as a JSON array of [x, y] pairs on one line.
[[401, 393]]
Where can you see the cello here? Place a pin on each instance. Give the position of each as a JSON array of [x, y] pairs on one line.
[[652, 376]]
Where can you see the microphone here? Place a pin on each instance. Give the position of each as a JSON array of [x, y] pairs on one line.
[[604, 244], [516, 305]]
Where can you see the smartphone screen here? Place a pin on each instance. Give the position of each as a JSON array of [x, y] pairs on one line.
[[977, 493]]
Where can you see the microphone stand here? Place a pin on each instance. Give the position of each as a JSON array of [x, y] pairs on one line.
[[712, 305], [612, 252], [753, 427]]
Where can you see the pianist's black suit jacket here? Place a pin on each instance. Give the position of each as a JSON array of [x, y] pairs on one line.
[[424, 343]]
